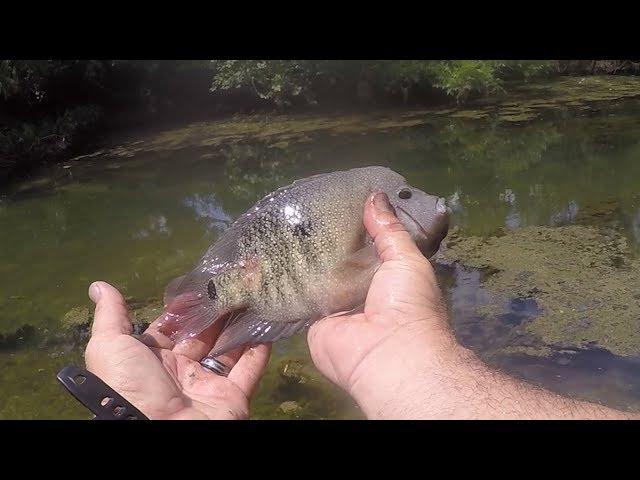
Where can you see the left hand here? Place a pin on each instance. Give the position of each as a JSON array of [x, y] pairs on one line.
[[163, 380]]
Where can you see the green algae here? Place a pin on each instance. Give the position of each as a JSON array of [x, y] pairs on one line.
[[584, 278], [292, 388], [292, 378], [525, 103], [29, 386], [534, 351], [76, 317], [14, 312], [278, 131], [141, 314]]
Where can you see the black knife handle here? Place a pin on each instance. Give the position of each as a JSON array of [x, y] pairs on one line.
[[103, 401]]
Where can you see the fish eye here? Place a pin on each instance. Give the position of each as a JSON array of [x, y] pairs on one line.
[[211, 290], [404, 194]]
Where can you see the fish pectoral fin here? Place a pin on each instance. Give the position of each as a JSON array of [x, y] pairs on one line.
[[249, 328], [349, 280], [364, 259], [358, 266], [354, 311]]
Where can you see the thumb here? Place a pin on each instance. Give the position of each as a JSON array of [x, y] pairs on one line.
[[111, 317], [391, 239]]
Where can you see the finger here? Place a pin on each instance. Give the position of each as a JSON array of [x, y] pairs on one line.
[[154, 337], [250, 368], [391, 238], [111, 317], [333, 337], [197, 347], [319, 337], [231, 358]]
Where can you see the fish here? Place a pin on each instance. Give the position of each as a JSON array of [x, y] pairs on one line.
[[300, 254]]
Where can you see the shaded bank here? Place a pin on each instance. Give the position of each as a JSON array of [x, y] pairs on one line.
[[50, 110]]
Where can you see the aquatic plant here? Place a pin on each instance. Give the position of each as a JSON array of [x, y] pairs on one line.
[[583, 279]]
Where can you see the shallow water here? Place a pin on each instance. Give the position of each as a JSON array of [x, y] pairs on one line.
[[144, 208]]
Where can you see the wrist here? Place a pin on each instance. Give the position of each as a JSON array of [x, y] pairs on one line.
[[403, 377]]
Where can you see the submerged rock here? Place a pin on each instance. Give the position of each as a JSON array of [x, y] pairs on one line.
[[293, 371], [290, 407]]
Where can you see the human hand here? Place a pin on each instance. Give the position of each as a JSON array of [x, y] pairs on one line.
[[376, 355], [400, 359], [163, 380]]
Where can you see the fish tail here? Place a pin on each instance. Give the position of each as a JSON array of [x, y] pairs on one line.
[[190, 316]]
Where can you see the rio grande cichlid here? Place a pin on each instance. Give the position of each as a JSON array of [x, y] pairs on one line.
[[300, 254]]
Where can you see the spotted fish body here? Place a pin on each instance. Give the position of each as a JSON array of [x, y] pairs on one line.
[[300, 254]]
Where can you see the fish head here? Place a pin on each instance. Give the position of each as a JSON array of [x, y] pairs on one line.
[[425, 216]]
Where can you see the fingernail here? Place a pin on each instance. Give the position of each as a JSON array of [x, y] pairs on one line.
[[381, 202], [95, 292]]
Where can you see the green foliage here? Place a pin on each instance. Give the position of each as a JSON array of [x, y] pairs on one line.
[[460, 78], [526, 68], [46, 106], [28, 143], [287, 82], [279, 81], [8, 78]]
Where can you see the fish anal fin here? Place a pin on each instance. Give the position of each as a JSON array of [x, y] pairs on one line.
[[249, 328]]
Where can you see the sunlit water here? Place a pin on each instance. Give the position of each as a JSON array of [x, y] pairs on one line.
[[140, 218]]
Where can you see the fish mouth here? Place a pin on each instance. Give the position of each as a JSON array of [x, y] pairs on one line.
[[429, 242], [416, 223]]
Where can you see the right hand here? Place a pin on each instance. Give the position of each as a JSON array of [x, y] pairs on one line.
[[376, 355]]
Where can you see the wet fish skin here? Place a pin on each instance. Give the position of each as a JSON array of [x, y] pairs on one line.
[[300, 254]]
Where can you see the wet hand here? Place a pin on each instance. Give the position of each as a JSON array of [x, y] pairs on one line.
[[402, 330], [163, 380], [399, 359]]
